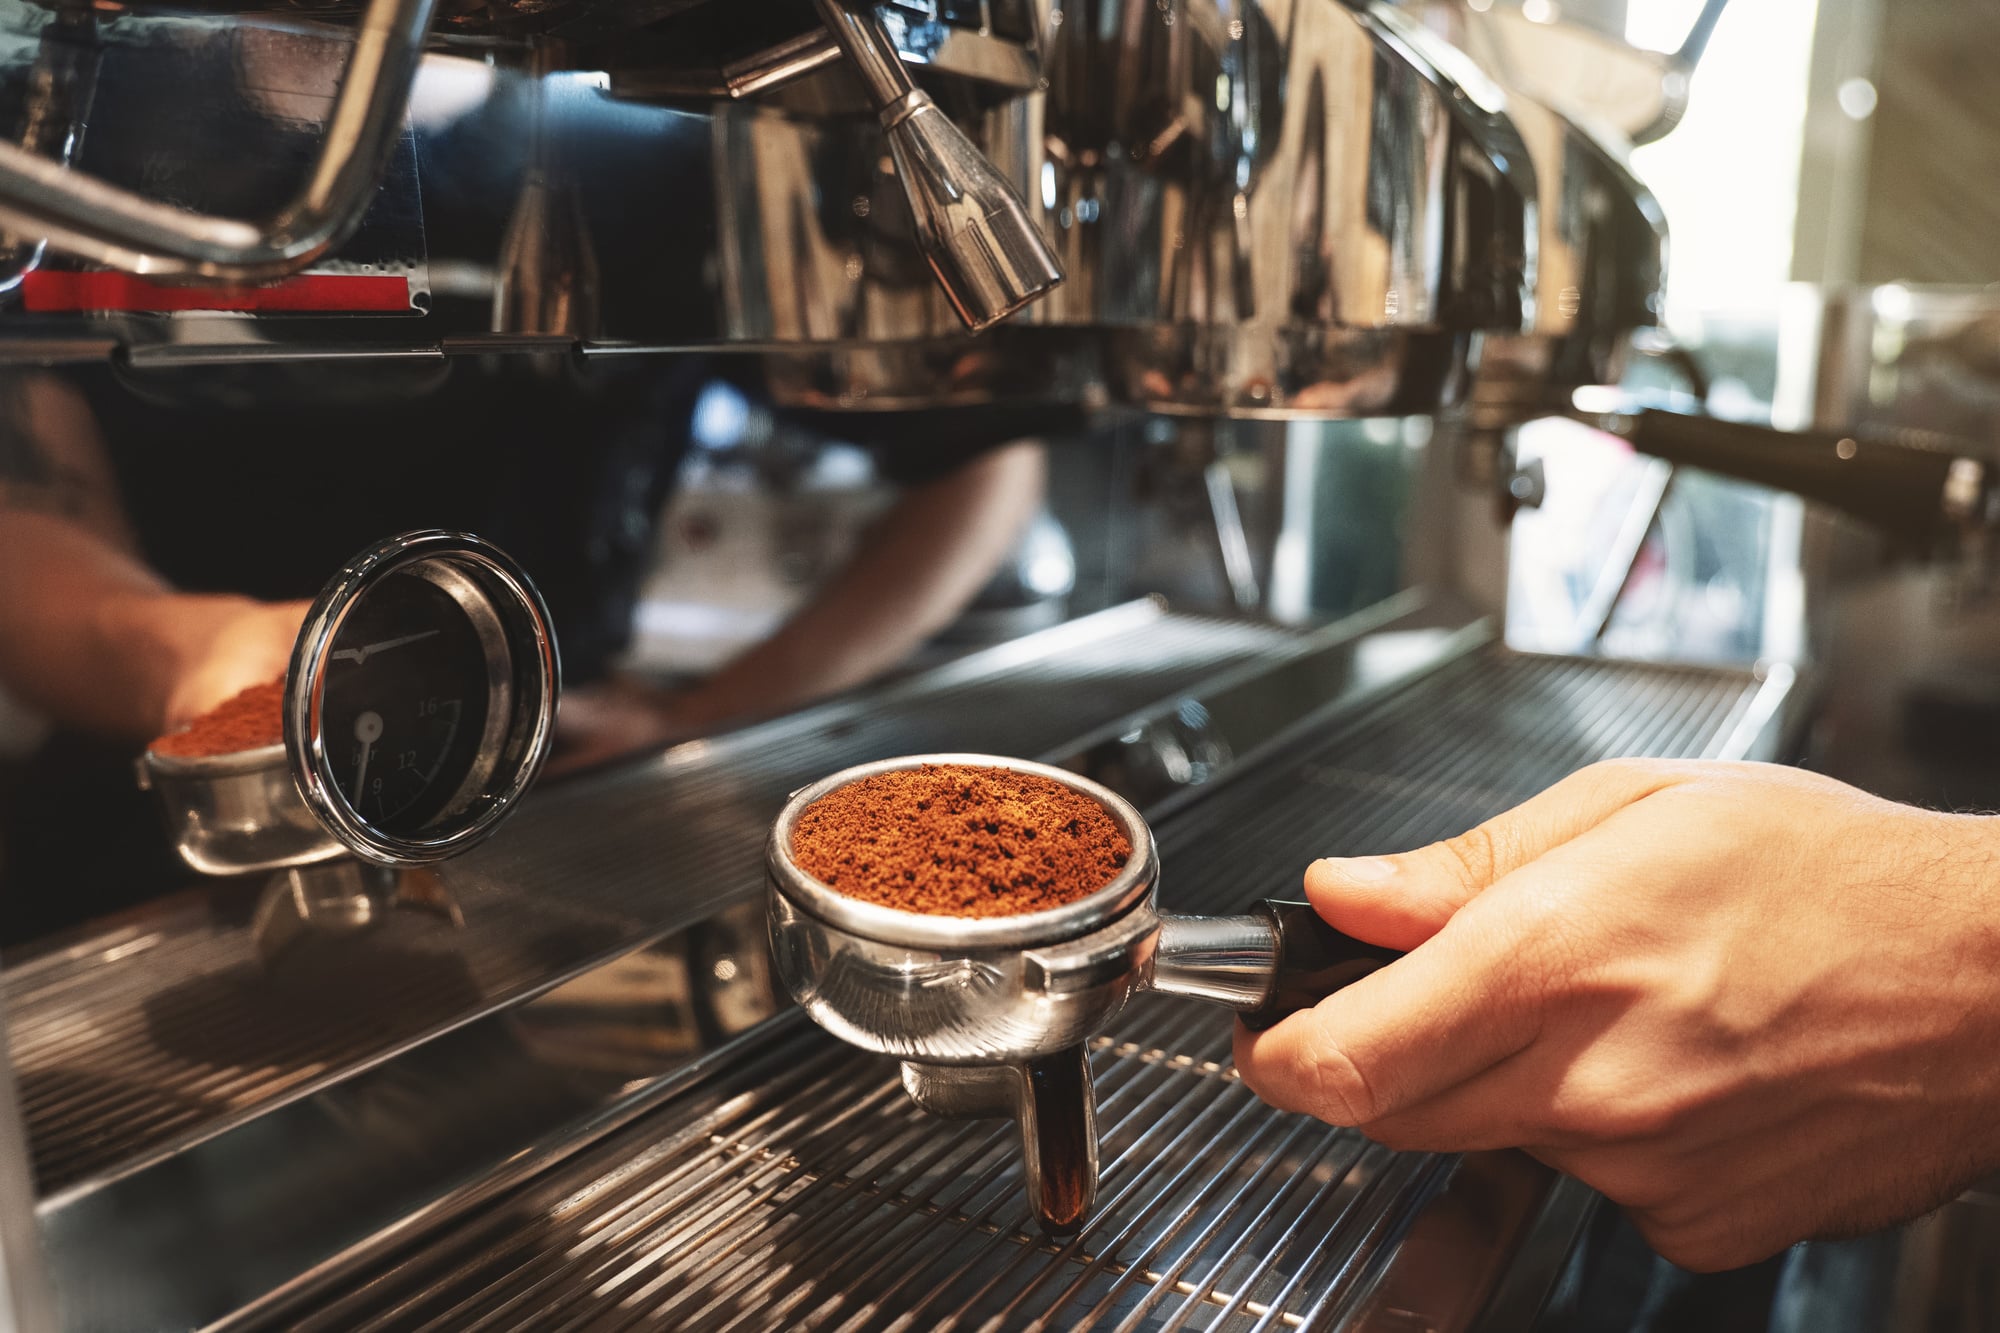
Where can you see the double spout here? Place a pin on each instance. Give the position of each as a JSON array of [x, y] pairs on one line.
[[1266, 964], [972, 226]]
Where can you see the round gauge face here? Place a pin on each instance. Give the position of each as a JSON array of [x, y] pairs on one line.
[[407, 693]]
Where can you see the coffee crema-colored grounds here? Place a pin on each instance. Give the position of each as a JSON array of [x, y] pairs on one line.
[[957, 840], [250, 720]]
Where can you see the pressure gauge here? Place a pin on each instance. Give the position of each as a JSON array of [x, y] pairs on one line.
[[421, 698]]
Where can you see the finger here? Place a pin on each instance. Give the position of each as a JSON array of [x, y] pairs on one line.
[[1441, 1014], [1401, 901], [1559, 1094], [1504, 1106]]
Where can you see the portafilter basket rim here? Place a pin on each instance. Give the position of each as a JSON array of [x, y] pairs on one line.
[[229, 763], [1131, 887]]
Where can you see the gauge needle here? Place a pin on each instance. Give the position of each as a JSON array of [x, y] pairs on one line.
[[359, 656], [367, 730]]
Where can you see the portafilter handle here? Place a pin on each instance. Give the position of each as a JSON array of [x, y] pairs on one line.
[[1277, 960]]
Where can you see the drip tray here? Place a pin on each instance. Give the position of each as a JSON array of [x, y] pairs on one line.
[[797, 1188], [143, 1039]]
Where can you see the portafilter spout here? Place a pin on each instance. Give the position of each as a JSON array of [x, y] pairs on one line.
[[972, 226], [993, 1016]]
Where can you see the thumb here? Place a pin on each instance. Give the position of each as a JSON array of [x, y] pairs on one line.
[[1401, 901]]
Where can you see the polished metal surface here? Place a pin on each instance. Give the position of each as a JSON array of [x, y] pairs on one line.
[[961, 1004], [1333, 252], [166, 1029], [1342, 251], [532, 132], [1600, 270], [1907, 649], [155, 1033], [1228, 251], [703, 49], [794, 1186], [378, 1153], [1896, 357], [55, 91], [1469, 740], [1282, 208], [816, 1198], [523, 681], [546, 280], [1224, 960], [1577, 58], [236, 814], [998, 990], [979, 238], [1050, 1098], [86, 217], [27, 1301], [315, 907], [982, 240]]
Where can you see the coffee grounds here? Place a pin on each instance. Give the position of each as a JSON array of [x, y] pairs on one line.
[[955, 840], [247, 721]]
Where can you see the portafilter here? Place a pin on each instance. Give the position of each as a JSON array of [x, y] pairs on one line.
[[991, 1016]]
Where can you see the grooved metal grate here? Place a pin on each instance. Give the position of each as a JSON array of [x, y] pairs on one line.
[[797, 1188], [170, 1030], [1477, 737]]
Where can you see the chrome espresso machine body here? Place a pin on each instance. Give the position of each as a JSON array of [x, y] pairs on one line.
[[1235, 237], [588, 1103]]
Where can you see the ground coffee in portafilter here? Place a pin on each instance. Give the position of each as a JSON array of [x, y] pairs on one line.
[[957, 840], [250, 720]]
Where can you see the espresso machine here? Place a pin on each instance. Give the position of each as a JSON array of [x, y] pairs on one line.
[[606, 1112]]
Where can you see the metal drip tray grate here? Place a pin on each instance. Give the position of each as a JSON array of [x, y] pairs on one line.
[[170, 1030], [1473, 739], [162, 1033], [805, 1191], [797, 1188]]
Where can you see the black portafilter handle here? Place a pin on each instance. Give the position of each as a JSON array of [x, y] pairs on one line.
[[1313, 961], [1918, 489]]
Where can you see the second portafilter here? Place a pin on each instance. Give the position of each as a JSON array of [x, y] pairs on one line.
[[991, 1016]]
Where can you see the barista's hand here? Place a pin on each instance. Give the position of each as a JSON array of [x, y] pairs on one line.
[[621, 716], [215, 647], [1750, 1004]]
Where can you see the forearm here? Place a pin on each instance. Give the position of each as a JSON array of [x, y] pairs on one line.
[[919, 566], [91, 636]]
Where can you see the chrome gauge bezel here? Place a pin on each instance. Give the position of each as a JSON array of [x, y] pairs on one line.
[[523, 681]]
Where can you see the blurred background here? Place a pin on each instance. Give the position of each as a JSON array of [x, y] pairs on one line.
[[1218, 521]]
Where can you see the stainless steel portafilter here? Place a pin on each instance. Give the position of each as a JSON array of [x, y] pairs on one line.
[[981, 241], [991, 1016]]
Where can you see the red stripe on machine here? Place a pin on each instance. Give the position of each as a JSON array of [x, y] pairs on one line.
[[44, 291]]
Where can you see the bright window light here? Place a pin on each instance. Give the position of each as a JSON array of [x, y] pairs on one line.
[[1728, 177]]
